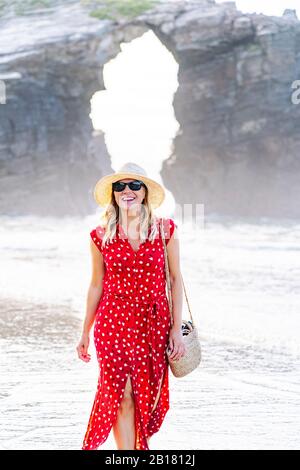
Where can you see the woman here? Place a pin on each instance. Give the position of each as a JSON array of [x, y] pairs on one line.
[[127, 299]]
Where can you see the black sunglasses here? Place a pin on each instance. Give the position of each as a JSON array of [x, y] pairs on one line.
[[133, 185]]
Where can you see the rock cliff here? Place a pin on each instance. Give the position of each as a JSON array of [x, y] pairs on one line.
[[237, 151]]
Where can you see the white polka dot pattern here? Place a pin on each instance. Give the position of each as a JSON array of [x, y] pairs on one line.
[[131, 333]]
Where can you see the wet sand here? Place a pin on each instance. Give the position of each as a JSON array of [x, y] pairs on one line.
[[234, 400], [242, 281]]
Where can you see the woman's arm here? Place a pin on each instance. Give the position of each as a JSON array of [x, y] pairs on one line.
[[175, 337], [93, 297], [95, 287], [175, 278]]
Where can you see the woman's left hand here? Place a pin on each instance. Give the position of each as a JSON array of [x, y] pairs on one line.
[[176, 343]]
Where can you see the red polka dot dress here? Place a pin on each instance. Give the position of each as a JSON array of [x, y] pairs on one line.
[[131, 332]]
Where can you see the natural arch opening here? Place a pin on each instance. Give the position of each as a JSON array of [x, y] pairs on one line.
[[135, 110]]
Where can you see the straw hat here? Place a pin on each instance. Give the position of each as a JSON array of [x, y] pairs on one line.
[[103, 188]]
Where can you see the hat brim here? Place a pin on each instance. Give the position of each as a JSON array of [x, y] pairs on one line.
[[103, 188]]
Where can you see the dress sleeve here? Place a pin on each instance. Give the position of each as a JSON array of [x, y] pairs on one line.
[[169, 227], [96, 235]]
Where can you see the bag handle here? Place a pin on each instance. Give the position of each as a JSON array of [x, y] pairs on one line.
[[168, 278]]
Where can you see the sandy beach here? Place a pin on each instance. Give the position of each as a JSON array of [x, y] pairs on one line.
[[245, 393]]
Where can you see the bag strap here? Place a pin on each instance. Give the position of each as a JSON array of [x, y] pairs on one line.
[[168, 278]]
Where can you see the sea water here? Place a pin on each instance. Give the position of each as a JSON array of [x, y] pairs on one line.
[[242, 281]]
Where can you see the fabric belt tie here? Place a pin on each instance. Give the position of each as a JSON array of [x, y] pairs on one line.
[[155, 312]]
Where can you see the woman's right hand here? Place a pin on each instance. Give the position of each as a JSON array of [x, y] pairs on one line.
[[82, 348]]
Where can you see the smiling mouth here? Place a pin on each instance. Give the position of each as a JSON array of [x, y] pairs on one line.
[[128, 198]]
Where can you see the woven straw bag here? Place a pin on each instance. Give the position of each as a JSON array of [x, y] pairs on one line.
[[192, 357]]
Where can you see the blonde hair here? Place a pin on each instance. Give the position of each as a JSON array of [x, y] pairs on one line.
[[111, 215]]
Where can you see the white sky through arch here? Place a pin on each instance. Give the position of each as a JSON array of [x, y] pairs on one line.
[[135, 111]]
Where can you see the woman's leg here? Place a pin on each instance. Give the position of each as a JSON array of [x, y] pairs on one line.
[[124, 426]]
